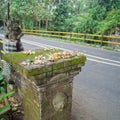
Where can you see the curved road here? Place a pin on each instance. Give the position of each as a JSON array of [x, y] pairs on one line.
[[96, 90]]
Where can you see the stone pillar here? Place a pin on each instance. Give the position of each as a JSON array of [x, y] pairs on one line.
[[46, 90]]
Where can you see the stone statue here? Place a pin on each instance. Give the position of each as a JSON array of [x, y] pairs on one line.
[[13, 35], [14, 32]]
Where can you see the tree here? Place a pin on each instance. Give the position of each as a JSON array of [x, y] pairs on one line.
[[29, 12], [99, 11], [62, 15], [110, 23], [91, 16]]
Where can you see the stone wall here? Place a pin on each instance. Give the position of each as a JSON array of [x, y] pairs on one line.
[[117, 34], [46, 90], [115, 46]]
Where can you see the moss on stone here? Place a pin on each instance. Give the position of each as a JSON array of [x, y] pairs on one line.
[[58, 65], [48, 69], [83, 58], [38, 70]]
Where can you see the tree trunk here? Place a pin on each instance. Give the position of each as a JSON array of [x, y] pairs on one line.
[[23, 25], [39, 24], [46, 24]]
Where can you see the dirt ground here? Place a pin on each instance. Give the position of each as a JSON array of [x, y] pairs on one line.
[[17, 108]]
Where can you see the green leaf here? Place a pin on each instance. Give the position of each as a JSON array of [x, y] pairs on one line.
[[5, 95]]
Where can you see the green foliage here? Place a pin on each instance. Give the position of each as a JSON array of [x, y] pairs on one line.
[[27, 12], [103, 16], [62, 21], [111, 21], [2, 10], [90, 16]]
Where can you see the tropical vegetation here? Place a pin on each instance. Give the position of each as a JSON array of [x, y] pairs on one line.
[[85, 16]]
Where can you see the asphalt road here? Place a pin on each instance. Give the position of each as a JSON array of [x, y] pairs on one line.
[[96, 90]]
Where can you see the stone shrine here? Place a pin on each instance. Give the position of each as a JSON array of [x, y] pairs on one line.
[[44, 80]]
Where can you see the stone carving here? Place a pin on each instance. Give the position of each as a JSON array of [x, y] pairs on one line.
[[13, 35], [59, 101], [58, 77], [14, 32]]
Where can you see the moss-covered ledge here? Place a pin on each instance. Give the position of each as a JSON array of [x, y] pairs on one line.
[[45, 78], [60, 64], [19, 56]]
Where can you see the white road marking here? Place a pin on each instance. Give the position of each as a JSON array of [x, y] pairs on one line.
[[89, 57], [118, 65], [102, 58]]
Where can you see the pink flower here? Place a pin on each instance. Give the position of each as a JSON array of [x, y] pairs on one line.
[[24, 63], [72, 51], [38, 62]]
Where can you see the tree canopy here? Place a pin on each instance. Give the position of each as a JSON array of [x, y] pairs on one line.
[[90, 16]]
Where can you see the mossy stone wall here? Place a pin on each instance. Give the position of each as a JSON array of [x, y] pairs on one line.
[[46, 90]]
